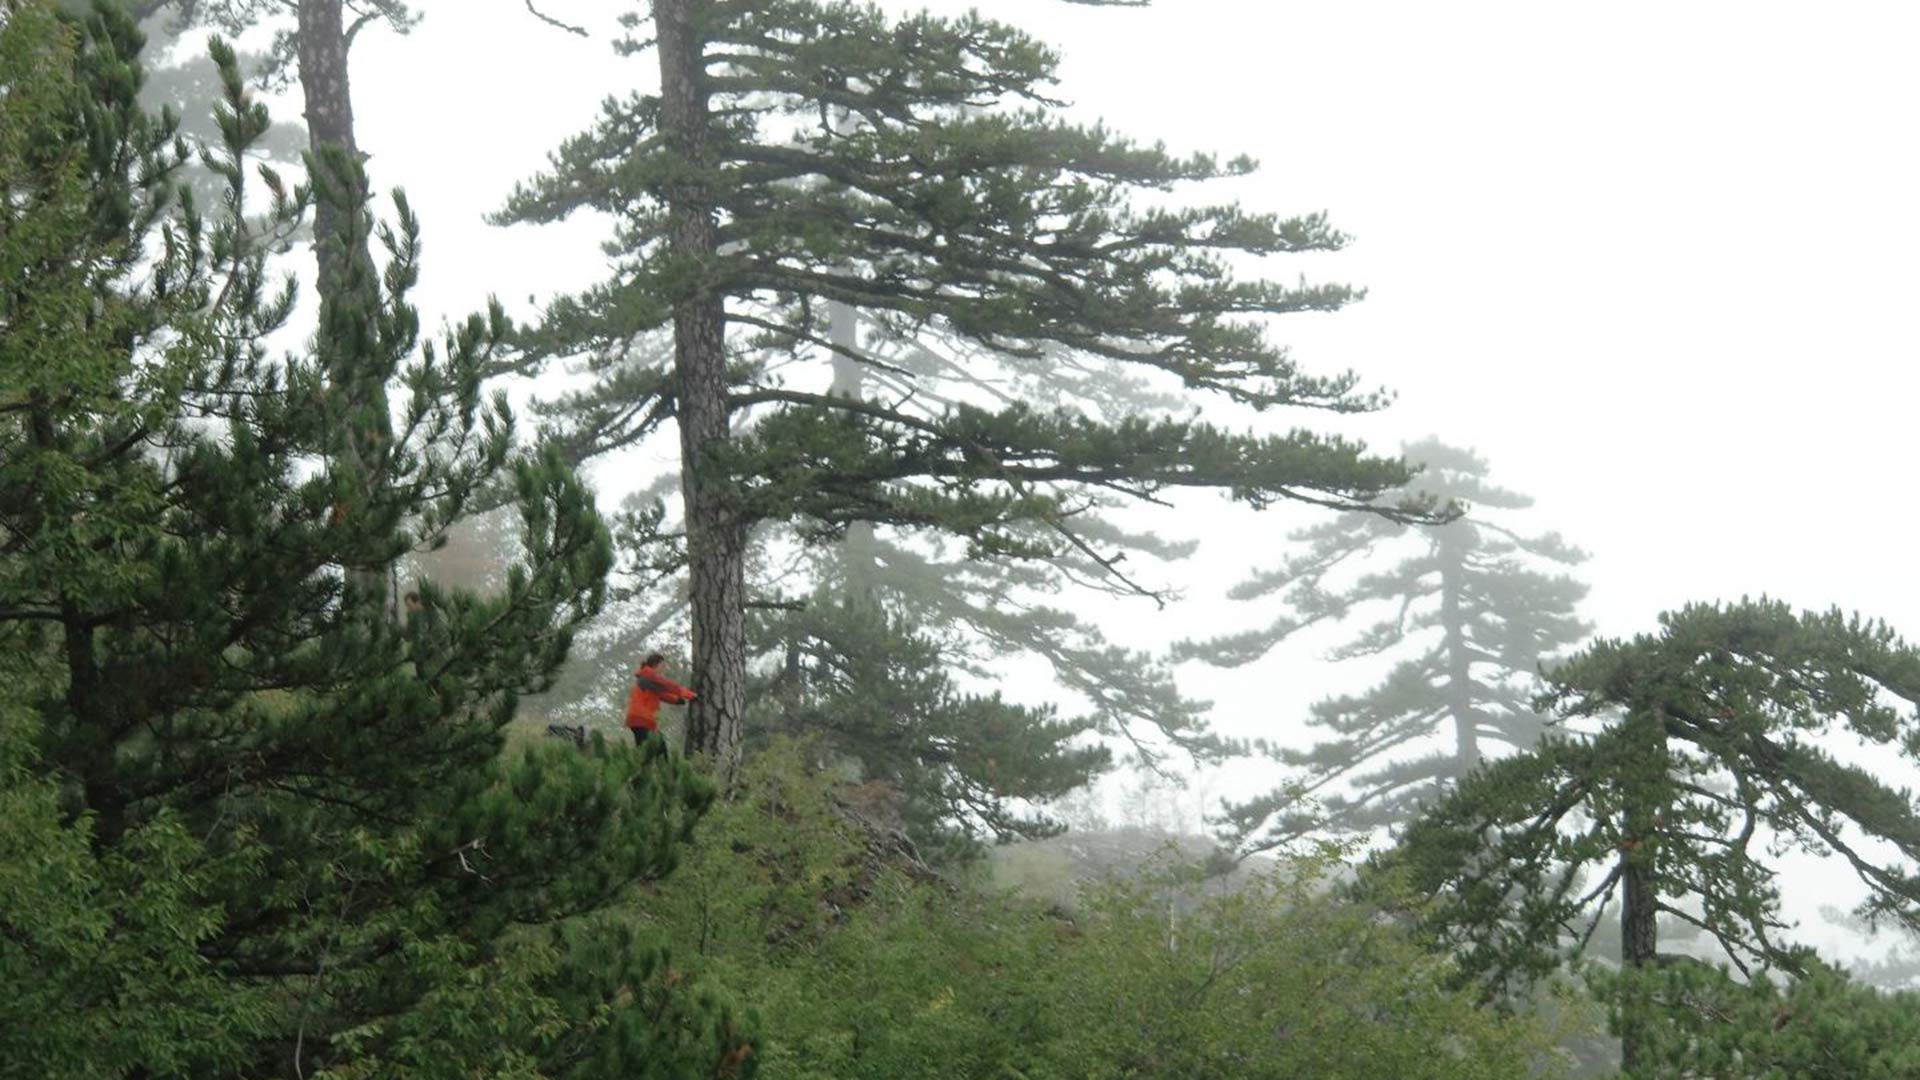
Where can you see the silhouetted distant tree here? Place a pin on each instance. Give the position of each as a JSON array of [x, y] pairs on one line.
[[1472, 609]]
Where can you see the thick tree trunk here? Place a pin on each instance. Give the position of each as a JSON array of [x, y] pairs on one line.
[[329, 111], [1639, 892], [1639, 946], [1466, 718], [716, 532]]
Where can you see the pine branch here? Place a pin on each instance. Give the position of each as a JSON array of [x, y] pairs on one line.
[[578, 31]]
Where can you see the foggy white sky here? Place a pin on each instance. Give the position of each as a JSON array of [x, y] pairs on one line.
[[1656, 261]]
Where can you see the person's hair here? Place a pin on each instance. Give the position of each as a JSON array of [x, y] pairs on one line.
[[653, 659]]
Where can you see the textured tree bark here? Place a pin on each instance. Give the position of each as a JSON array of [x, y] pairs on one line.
[[1639, 931], [328, 98], [329, 110], [1639, 945], [716, 532]]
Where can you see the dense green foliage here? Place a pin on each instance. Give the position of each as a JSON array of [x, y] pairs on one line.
[[253, 824], [1815, 1027], [1469, 614], [864, 966]]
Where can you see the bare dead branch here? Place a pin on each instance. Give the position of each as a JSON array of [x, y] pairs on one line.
[[551, 21]]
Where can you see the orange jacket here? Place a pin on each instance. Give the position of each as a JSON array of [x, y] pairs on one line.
[[650, 688]]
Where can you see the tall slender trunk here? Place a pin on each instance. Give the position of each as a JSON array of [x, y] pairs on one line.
[[345, 262], [716, 532], [858, 554], [1466, 718], [328, 98], [1639, 930]]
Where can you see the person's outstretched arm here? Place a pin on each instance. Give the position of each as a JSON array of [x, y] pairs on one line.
[[669, 691]]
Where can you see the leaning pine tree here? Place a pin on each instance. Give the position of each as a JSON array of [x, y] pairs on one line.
[[1712, 756], [802, 153], [249, 826], [1470, 613]]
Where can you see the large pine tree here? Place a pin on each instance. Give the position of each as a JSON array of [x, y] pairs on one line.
[[1713, 755], [248, 826], [799, 154], [1469, 612]]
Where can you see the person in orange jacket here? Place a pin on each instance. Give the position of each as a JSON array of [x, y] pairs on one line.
[[650, 688]]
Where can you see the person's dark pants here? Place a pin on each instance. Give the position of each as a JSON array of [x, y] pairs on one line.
[[640, 735]]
